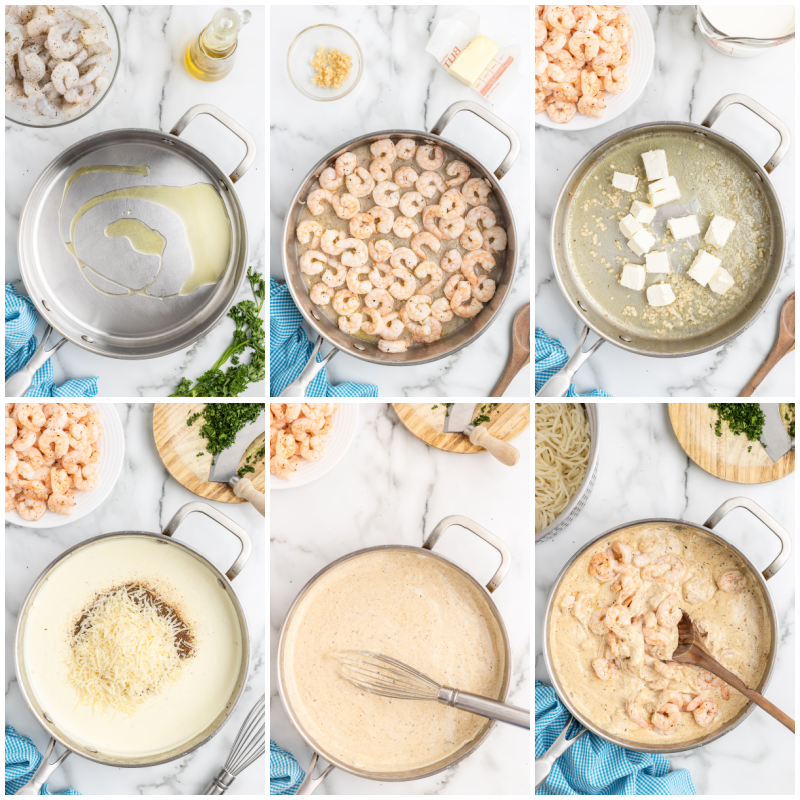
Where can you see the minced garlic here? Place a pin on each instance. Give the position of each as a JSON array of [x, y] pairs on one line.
[[332, 68]]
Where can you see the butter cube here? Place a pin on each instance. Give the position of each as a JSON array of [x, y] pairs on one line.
[[684, 227], [719, 229], [642, 212], [628, 225], [627, 183], [660, 294], [703, 267], [657, 261], [720, 281], [655, 165], [633, 277], [641, 242], [664, 191], [469, 65]]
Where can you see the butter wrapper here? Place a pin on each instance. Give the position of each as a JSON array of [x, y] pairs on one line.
[[453, 35]]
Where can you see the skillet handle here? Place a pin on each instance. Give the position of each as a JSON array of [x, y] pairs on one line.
[[310, 783], [558, 385], [767, 519], [759, 111], [299, 387], [237, 530], [44, 770], [233, 126], [494, 121], [21, 381], [480, 531]]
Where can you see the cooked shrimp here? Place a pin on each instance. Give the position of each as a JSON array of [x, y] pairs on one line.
[[418, 307], [393, 326], [12, 460], [476, 191], [416, 329], [11, 431], [480, 258], [355, 283], [560, 111], [597, 621], [623, 552], [345, 206], [312, 262], [355, 253], [345, 302], [604, 566], [617, 617], [428, 184], [373, 322], [675, 572], [540, 33], [430, 156], [362, 225], [397, 346], [30, 508], [555, 41], [452, 204], [345, 164], [384, 218], [429, 269], [386, 194], [379, 275], [406, 149], [484, 290], [320, 294], [732, 581], [652, 636], [471, 239], [559, 18], [480, 214], [350, 323], [451, 284], [26, 439], [462, 301], [603, 63], [671, 670], [459, 172], [440, 309], [425, 238], [666, 719], [282, 467], [451, 261], [335, 275], [314, 201], [411, 204], [625, 585], [54, 442], [381, 300], [404, 228], [330, 179], [704, 710], [62, 503], [359, 182], [451, 228], [381, 170], [495, 239], [636, 715], [404, 257], [668, 613], [430, 218], [380, 250], [590, 84], [29, 415], [585, 18], [405, 284], [383, 148], [698, 591], [433, 335], [308, 230], [605, 669], [405, 177], [615, 81], [331, 242], [86, 478]]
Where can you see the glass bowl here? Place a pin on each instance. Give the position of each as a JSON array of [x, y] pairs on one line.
[[17, 114], [304, 48]]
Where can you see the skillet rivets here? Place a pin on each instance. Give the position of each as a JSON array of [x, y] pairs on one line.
[[625, 338], [46, 717], [87, 339]]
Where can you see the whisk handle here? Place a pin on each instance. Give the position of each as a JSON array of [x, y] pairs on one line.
[[485, 707], [220, 783]]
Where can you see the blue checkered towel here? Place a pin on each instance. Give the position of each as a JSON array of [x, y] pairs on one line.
[[594, 766], [22, 760], [550, 357], [285, 774], [289, 351], [21, 321]]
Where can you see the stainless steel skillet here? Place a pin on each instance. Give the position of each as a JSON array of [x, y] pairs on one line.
[[327, 330], [132, 327], [606, 328]]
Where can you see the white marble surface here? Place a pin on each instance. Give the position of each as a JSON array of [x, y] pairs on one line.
[[688, 78], [403, 86], [392, 488], [153, 90], [644, 472], [145, 498]]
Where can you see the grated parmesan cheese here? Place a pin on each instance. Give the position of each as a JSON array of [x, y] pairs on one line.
[[126, 648]]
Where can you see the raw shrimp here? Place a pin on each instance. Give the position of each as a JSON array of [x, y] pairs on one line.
[[482, 214], [411, 204], [429, 269], [321, 294], [471, 239], [345, 302], [463, 303], [406, 149], [405, 177], [345, 206], [451, 261], [405, 284], [459, 172], [381, 300], [373, 322], [386, 194], [397, 346], [476, 191], [634, 714], [404, 228], [355, 253], [480, 258], [668, 613], [384, 217], [440, 309], [484, 290], [404, 257], [79, 94], [451, 228], [383, 148], [430, 156], [495, 239], [666, 719], [732, 581], [350, 323], [354, 282], [381, 170], [604, 566], [452, 204], [359, 182], [312, 262], [362, 225], [57, 45], [307, 231], [428, 184], [345, 164], [425, 238], [314, 201], [64, 76], [330, 179], [606, 669], [331, 242], [380, 250], [430, 217], [335, 275], [560, 111]]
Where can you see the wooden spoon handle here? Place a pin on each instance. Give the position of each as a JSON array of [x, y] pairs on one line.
[[779, 350], [516, 362]]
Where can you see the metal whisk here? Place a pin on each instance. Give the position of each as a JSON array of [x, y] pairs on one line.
[[249, 745], [388, 677]]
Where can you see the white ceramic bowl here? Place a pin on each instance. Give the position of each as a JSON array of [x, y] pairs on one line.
[[643, 52], [112, 454], [345, 422]]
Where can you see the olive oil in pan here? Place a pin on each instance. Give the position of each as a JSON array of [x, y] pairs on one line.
[[200, 210], [711, 182]]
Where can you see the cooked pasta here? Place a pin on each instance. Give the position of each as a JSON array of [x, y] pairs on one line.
[[563, 441]]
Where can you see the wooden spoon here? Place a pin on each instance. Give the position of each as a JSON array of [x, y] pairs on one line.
[[691, 650], [783, 344], [520, 349]]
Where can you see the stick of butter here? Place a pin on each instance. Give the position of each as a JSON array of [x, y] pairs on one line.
[[474, 60]]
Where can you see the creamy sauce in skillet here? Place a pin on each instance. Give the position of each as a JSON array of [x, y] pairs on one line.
[[416, 609], [737, 626]]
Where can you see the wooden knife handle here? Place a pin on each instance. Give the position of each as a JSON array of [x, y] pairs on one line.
[[244, 488], [504, 452]]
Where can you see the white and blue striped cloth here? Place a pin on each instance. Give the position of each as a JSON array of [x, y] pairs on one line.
[[594, 766], [289, 351], [550, 357], [22, 760], [21, 321], [285, 774]]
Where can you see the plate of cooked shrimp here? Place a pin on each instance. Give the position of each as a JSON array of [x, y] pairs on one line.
[[592, 63], [62, 461], [307, 440]]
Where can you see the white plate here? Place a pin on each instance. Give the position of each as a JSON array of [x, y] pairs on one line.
[[643, 52], [112, 454], [345, 422]]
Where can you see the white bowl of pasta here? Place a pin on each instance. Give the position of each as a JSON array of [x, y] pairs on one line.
[[111, 452], [560, 494]]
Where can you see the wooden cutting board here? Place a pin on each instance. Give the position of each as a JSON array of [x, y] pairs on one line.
[[724, 456], [178, 445], [506, 422]]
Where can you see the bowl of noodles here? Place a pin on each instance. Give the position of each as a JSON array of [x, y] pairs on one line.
[[567, 454]]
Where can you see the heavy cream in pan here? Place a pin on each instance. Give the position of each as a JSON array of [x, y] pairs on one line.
[[189, 703]]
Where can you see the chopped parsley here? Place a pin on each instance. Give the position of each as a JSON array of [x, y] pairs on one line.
[[746, 418], [483, 414], [222, 421]]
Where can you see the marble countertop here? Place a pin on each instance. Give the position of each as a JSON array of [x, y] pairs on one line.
[[145, 498], [153, 90], [392, 488], [404, 86], [644, 472], [688, 78]]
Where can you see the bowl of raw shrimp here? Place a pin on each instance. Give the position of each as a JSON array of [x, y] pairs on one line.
[[111, 452], [87, 85], [343, 430], [641, 50]]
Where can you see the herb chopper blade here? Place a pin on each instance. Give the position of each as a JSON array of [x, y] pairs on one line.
[[774, 436]]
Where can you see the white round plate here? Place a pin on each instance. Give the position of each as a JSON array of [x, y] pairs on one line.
[[643, 53], [345, 422], [112, 454]]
